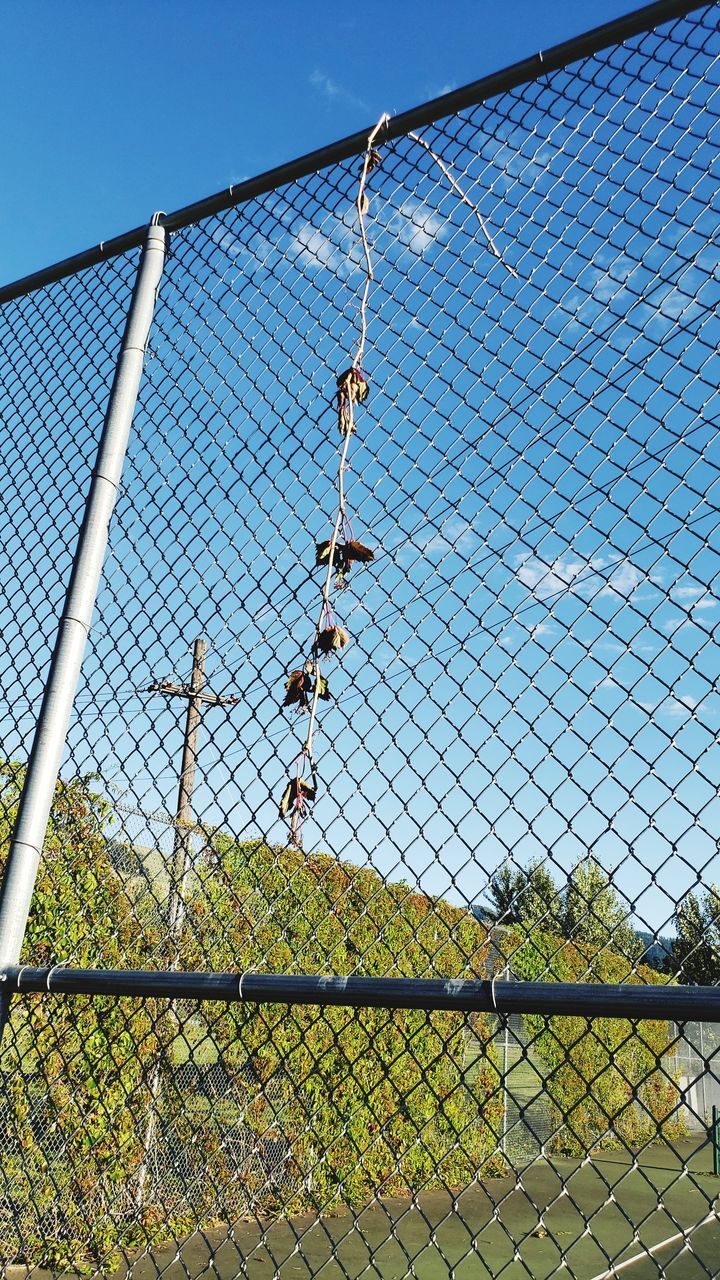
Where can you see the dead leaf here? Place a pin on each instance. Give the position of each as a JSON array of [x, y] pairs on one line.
[[297, 687], [362, 390], [322, 552], [332, 640], [353, 384], [323, 688], [374, 159], [296, 793], [356, 551]]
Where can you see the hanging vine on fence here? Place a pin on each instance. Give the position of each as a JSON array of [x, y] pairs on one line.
[[306, 686], [338, 553]]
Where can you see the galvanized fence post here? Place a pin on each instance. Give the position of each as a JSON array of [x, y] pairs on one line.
[[51, 729]]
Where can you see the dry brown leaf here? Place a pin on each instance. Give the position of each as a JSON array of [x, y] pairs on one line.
[[297, 687], [323, 688], [356, 551], [322, 552], [296, 790], [332, 640]]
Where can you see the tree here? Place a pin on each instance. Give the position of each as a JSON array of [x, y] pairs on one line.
[[542, 904], [505, 891], [525, 895], [594, 913], [695, 954]]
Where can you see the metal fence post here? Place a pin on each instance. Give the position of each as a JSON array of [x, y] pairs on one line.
[[51, 729]]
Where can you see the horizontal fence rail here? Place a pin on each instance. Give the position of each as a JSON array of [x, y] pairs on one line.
[[578, 999]]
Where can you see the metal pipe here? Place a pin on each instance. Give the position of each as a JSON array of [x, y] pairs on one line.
[[51, 729], [468, 995], [532, 68]]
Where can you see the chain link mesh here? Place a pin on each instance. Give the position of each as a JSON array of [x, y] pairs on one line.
[[517, 768]]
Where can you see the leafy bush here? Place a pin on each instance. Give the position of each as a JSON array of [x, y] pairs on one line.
[[366, 1102]]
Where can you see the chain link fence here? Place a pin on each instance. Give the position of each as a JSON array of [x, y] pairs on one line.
[[377, 920]]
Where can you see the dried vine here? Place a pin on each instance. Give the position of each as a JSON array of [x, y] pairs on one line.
[[337, 554], [465, 199]]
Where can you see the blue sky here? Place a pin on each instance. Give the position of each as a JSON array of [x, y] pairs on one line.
[[534, 654], [113, 111]]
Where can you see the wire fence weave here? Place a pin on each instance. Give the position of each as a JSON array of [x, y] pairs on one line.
[[455, 397]]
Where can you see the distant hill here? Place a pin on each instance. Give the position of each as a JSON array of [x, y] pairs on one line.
[[657, 949]]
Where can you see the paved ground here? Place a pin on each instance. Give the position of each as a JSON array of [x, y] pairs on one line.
[[477, 1236]]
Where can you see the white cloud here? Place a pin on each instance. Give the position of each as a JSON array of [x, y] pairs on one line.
[[255, 252], [707, 602], [671, 625], [679, 708], [626, 286], [550, 579], [517, 154], [623, 580], [577, 575], [334, 243], [415, 225], [543, 629], [598, 287], [335, 92], [455, 534]]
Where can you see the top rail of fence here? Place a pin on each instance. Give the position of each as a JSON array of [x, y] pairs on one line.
[[523, 72]]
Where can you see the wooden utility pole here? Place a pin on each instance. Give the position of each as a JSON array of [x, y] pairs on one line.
[[182, 852], [182, 847]]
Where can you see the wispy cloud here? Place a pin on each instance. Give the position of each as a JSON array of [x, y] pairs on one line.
[[334, 92], [454, 535], [621, 285], [679, 708], [623, 580], [517, 154], [333, 244], [571, 573], [546, 579], [407, 230], [543, 629]]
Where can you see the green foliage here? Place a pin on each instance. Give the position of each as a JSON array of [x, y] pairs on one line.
[[370, 1101], [605, 1076], [594, 913], [695, 954], [379, 1098], [587, 909], [70, 1067]]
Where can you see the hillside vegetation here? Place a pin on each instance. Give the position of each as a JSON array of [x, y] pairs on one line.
[[365, 1102]]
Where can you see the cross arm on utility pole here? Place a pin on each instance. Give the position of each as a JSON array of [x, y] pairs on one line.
[[196, 695], [186, 691]]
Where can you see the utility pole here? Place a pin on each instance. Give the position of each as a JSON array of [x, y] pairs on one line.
[[182, 852], [182, 847]]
